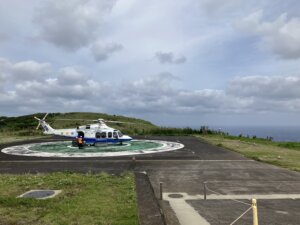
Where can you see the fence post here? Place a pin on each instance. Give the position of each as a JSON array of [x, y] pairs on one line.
[[254, 210], [204, 189], [161, 190]]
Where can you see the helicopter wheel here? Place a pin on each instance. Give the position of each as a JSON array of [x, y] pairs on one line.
[[74, 143]]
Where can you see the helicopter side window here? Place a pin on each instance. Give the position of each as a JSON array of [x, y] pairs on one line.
[[109, 134], [120, 134], [88, 127], [103, 135], [115, 134], [98, 135]]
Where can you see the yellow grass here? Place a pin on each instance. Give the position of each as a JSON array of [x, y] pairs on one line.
[[261, 150]]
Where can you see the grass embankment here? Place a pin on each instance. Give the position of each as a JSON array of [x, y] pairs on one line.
[[85, 199], [23, 127], [284, 154]]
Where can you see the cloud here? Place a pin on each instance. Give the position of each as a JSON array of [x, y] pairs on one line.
[[4, 67], [30, 70], [242, 95], [102, 52], [71, 24], [266, 87], [217, 8], [281, 36], [156, 94], [3, 37], [64, 89], [24, 70], [67, 89], [70, 76], [169, 58], [268, 93]]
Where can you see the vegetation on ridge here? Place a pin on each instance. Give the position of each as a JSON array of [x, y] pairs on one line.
[[23, 127]]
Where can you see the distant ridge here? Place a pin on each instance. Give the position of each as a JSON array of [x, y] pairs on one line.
[[26, 124]]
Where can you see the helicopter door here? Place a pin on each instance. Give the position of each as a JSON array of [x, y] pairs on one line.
[[80, 134]]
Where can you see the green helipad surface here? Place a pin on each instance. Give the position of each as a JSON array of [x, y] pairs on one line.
[[65, 149]]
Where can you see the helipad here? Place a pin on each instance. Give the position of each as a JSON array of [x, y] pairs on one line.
[[65, 149]]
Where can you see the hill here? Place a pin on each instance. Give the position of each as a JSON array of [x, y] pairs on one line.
[[25, 125]]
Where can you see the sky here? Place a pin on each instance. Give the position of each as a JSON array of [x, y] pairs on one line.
[[172, 62]]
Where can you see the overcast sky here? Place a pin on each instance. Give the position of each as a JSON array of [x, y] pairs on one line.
[[173, 62]]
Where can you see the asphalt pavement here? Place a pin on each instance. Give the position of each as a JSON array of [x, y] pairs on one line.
[[231, 181]]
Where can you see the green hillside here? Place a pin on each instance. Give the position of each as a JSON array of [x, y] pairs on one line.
[[25, 126]]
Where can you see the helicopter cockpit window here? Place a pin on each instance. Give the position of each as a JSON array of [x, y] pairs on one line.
[[109, 134], [115, 134], [98, 135], [120, 134], [103, 134], [88, 127]]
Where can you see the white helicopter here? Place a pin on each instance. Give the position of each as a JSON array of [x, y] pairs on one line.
[[91, 134]]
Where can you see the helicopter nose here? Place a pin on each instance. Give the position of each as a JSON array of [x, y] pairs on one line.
[[128, 138]]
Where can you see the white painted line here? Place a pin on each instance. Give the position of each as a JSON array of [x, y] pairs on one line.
[[186, 214]]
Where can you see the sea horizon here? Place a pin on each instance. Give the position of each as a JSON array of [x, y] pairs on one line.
[[277, 132]]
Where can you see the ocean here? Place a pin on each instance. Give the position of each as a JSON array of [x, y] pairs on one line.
[[278, 133]]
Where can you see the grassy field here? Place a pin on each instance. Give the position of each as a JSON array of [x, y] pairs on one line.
[[284, 154], [85, 199]]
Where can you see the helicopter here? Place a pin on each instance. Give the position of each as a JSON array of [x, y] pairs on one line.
[[91, 134]]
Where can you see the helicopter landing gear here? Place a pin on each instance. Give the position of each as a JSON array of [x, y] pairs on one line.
[[74, 143]]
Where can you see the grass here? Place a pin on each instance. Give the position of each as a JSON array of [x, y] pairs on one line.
[[25, 125], [282, 154], [85, 199]]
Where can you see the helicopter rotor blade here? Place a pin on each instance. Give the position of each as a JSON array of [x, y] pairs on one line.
[[38, 126], [45, 116], [76, 119], [98, 120], [38, 119], [111, 121]]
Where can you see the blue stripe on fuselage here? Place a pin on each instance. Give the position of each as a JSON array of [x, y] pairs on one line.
[[95, 140]]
